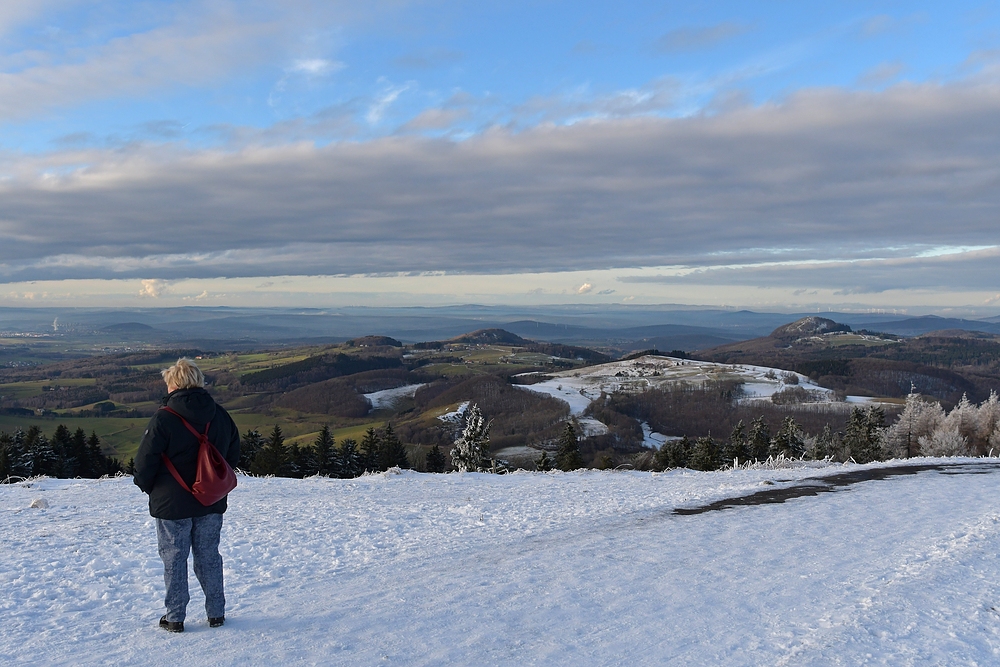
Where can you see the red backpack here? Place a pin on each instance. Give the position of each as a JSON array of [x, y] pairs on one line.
[[214, 478]]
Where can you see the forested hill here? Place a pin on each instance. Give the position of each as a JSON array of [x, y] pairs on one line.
[[943, 364]]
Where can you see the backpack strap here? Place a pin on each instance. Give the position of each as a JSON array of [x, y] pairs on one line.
[[200, 436]]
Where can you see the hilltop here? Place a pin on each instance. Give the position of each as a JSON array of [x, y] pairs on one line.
[[943, 364]]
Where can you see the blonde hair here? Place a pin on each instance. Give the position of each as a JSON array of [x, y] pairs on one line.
[[183, 375]]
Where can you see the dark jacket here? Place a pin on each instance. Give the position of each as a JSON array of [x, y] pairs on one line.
[[166, 434]]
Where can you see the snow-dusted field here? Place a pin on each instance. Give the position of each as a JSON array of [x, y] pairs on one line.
[[579, 387], [585, 568]]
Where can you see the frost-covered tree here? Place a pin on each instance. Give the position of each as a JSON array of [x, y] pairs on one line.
[[918, 419], [823, 445], [543, 463], [988, 421], [473, 447], [963, 418]]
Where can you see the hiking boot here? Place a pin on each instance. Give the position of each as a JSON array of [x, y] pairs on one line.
[[171, 626], [216, 622]]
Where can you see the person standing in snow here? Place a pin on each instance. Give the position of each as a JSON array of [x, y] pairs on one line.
[[184, 525]]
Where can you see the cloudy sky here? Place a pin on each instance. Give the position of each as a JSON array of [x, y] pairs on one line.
[[770, 155]]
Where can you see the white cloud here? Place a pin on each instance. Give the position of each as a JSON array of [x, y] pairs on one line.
[[384, 101], [584, 288], [316, 66], [153, 288]]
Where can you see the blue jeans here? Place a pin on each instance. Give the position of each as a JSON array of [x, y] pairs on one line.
[[176, 539]]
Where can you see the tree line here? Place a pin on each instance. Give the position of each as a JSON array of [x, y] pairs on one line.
[[66, 455], [379, 450]]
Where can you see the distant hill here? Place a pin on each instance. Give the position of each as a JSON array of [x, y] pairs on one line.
[[373, 341], [129, 327], [808, 326], [490, 337], [944, 363], [915, 326]]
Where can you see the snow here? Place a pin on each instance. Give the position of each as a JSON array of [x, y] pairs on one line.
[[457, 415], [653, 440], [590, 567], [388, 397], [579, 387]]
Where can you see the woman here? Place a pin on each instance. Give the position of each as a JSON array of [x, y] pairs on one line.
[[183, 524]]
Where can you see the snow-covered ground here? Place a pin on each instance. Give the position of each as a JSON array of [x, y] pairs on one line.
[[388, 397], [584, 568]]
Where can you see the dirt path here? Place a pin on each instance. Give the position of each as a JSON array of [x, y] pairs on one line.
[[813, 486]]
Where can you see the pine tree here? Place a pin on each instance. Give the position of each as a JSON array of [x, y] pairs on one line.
[[66, 463], [705, 454], [864, 434], [543, 463], [251, 443], [759, 440], [368, 453], [673, 454], [472, 449], [20, 461], [392, 453], [350, 459], [5, 452], [300, 461], [735, 449], [78, 447], [788, 441], [324, 452], [568, 455], [97, 462], [42, 454], [435, 460], [272, 459]]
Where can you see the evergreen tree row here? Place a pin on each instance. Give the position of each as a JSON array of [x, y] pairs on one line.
[[863, 440], [65, 455], [378, 451]]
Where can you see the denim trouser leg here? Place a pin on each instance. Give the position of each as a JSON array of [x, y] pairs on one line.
[[176, 539], [208, 562]]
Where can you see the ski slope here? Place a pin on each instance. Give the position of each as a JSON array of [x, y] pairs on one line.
[[583, 568]]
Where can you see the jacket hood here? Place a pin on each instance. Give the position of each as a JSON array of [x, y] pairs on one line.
[[195, 405]]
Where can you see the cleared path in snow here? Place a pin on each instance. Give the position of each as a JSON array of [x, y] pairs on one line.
[[588, 568]]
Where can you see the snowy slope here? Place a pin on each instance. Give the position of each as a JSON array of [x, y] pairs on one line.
[[585, 568]]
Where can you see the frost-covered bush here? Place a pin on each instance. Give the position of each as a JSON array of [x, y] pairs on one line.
[[944, 442]]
